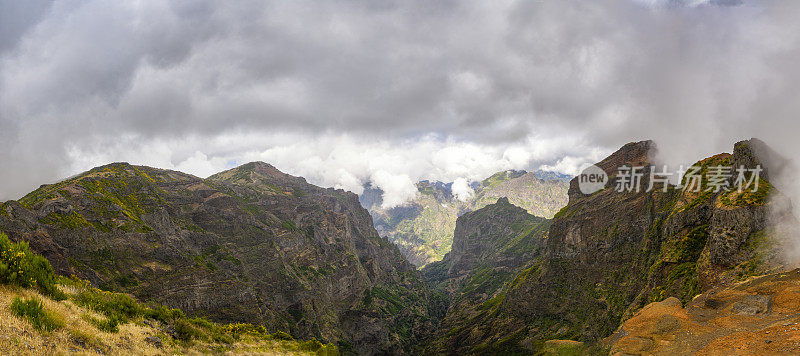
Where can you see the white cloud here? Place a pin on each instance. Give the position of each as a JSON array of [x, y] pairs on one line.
[[397, 189], [339, 160], [461, 189], [417, 89]]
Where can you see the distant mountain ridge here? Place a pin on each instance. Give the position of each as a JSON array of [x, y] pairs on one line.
[[423, 228]]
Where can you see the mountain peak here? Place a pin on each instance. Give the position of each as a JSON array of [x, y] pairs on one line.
[[258, 165], [115, 165], [755, 152], [636, 154], [258, 172], [633, 153]]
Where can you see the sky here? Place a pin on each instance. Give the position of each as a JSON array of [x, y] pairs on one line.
[[391, 92]]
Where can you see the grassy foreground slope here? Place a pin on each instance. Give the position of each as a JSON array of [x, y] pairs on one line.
[[57, 315]]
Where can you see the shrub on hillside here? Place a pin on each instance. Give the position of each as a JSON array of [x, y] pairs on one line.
[[33, 310], [163, 314], [21, 267], [116, 306]]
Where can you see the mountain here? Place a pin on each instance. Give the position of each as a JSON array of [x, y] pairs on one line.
[[610, 253], [251, 244], [491, 246], [423, 228], [47, 314]]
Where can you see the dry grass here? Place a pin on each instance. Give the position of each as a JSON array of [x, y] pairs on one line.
[[80, 336]]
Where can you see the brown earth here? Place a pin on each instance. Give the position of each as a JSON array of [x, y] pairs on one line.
[[760, 316]]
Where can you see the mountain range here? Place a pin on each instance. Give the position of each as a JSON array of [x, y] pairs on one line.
[[250, 244], [423, 227], [255, 245]]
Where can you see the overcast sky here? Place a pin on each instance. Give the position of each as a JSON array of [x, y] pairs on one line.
[[344, 92]]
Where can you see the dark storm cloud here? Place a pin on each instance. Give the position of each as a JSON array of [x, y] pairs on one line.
[[79, 79]]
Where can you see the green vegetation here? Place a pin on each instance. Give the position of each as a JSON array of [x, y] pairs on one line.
[[109, 325], [693, 195], [289, 225], [21, 267], [120, 194], [71, 221], [564, 213], [563, 348], [115, 306], [747, 197], [485, 280], [120, 308], [689, 247], [758, 245], [687, 273], [33, 310], [216, 253]]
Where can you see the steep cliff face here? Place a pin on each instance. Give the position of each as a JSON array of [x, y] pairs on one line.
[[250, 244], [491, 245], [610, 253], [423, 228]]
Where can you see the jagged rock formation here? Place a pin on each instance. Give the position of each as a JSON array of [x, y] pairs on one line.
[[249, 244], [610, 253], [423, 228], [490, 247]]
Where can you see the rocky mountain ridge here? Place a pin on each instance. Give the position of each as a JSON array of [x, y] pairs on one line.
[[610, 253], [250, 244]]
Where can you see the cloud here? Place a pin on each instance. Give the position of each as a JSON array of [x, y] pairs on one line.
[[341, 160], [338, 91], [461, 189], [398, 189]]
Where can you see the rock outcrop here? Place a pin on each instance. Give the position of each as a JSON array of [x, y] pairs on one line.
[[250, 244], [756, 317]]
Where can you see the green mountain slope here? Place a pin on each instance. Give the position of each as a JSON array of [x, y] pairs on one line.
[[250, 244]]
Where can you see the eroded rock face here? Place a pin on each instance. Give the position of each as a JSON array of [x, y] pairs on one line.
[[251, 244], [610, 253]]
